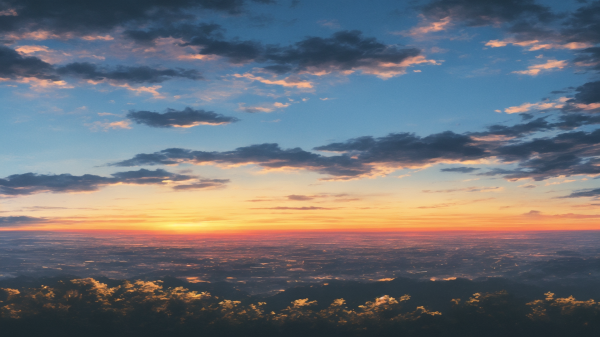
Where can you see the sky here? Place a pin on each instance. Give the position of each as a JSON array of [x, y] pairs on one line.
[[226, 116]]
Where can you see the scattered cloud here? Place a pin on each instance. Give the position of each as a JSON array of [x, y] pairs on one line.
[[535, 69], [32, 183], [185, 118]]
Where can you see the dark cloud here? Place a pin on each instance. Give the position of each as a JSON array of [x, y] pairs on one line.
[[296, 197], [589, 58], [31, 183], [13, 221], [517, 130], [589, 193], [359, 157], [574, 120], [269, 156], [408, 149], [489, 12], [587, 94], [564, 154], [14, 66], [586, 99], [84, 17], [462, 169], [204, 184], [187, 117], [127, 74], [583, 25], [345, 50]]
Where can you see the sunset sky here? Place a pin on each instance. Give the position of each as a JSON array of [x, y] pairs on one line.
[[224, 116]]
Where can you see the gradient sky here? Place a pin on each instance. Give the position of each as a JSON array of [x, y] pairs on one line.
[[234, 115]]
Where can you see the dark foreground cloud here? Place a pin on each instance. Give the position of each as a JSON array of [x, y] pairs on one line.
[[561, 154], [343, 51], [15, 66], [85, 17], [589, 58], [126, 74], [358, 157], [590, 193], [187, 117], [462, 169], [480, 13], [31, 183], [13, 221]]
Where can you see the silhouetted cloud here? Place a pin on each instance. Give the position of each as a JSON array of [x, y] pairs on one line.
[[185, 118], [462, 169], [589, 58], [31, 183], [408, 149], [203, 184], [517, 130], [359, 157], [343, 51], [564, 154], [84, 17], [13, 66], [574, 120], [127, 74], [589, 193], [480, 13], [13, 221], [587, 94]]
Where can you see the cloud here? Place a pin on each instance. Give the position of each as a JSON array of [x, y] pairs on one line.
[[15, 221], [462, 169], [365, 156], [125, 74], [589, 58], [535, 69], [66, 18], [427, 27], [562, 154], [587, 193], [540, 106], [30, 69], [203, 184], [344, 51], [185, 118], [14, 66], [467, 189], [285, 82], [31, 183], [566, 154], [296, 197], [586, 98], [500, 132], [263, 108], [483, 13]]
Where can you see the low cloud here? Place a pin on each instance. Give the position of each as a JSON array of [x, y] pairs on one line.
[[185, 118], [462, 169], [125, 74], [31, 183]]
